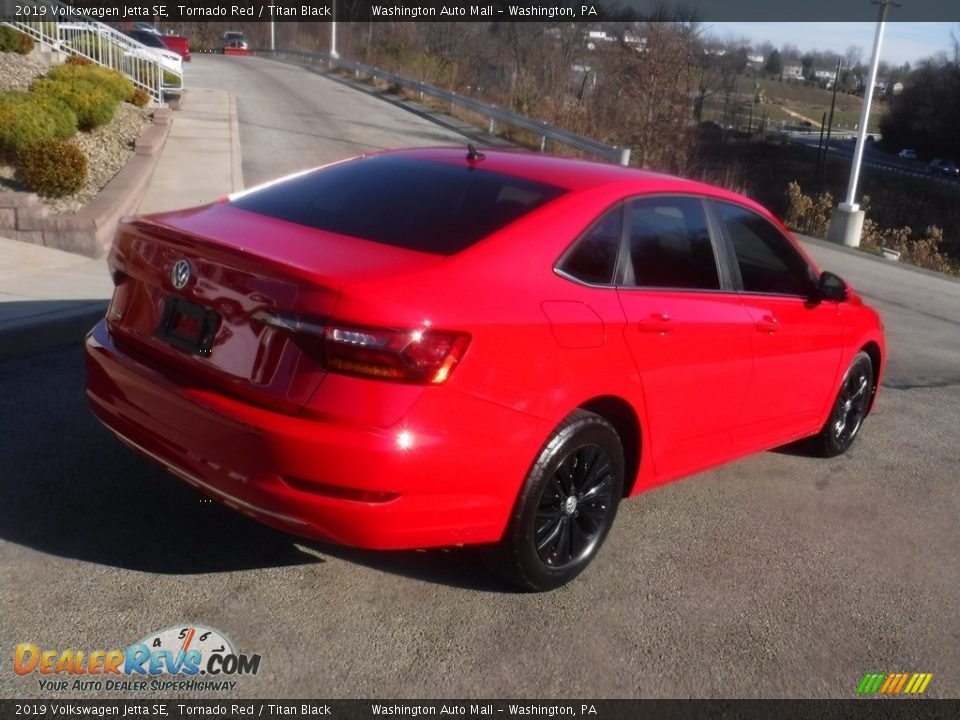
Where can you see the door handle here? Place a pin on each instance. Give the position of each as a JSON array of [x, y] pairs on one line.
[[656, 323], [768, 324]]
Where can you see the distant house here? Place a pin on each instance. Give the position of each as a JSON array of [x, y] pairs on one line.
[[635, 41], [599, 35], [792, 72], [755, 61], [885, 86]]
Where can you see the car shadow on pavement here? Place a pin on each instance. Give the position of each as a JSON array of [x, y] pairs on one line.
[[69, 488], [458, 567]]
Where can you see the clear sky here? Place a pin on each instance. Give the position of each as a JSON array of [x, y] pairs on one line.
[[902, 41]]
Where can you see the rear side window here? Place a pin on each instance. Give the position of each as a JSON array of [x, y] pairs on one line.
[[768, 261], [432, 207], [670, 245], [593, 257]]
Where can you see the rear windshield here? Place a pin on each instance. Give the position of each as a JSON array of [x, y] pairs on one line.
[[420, 205]]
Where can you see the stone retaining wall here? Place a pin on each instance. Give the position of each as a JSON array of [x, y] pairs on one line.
[[90, 230]]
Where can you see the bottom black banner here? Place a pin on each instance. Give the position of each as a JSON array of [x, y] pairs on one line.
[[507, 709]]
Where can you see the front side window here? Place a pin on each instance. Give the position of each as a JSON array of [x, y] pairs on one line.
[[669, 245], [593, 257], [768, 261]]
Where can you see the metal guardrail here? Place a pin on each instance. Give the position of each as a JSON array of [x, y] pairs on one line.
[[105, 46], [493, 113]]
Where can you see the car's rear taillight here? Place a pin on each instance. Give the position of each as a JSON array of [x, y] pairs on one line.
[[422, 356]]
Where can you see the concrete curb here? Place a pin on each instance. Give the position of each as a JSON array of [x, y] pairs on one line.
[[62, 327], [89, 231], [874, 258]]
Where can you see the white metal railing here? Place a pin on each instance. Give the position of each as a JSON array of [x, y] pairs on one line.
[[105, 46]]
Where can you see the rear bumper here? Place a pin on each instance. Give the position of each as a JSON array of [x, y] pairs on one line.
[[354, 485]]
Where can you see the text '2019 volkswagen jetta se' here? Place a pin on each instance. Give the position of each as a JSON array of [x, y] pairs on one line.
[[438, 347]]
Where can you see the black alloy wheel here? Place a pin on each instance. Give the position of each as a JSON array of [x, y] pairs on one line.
[[849, 409], [566, 506], [575, 506]]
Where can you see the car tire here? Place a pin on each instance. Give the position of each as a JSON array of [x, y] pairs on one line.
[[849, 408], [566, 506]]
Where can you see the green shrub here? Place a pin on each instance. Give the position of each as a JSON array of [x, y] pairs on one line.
[[64, 119], [170, 79], [21, 124], [52, 167], [93, 105], [14, 41], [115, 83]]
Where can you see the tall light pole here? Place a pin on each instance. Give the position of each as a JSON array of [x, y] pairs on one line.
[[846, 221], [333, 32]]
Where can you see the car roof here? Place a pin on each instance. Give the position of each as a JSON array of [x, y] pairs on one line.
[[572, 174]]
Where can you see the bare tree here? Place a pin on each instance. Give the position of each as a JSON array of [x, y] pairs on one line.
[[646, 102], [853, 56]]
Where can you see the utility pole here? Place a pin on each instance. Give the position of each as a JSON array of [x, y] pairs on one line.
[[333, 32], [846, 221], [823, 125], [273, 34], [833, 104]]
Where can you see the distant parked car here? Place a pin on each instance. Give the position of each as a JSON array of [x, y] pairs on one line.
[[155, 46], [235, 41], [908, 154], [944, 167]]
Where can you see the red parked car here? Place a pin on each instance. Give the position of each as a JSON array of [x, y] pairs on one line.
[[438, 346]]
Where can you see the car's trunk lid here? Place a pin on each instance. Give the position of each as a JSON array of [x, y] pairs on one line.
[[238, 264]]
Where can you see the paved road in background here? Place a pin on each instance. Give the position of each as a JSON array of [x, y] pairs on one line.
[[291, 118], [779, 575]]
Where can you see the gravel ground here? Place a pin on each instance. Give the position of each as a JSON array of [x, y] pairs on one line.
[[16, 71], [107, 148]]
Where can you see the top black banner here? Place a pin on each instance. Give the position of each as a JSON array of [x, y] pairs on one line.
[[479, 11]]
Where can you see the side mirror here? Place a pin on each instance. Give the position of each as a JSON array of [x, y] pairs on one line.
[[831, 287]]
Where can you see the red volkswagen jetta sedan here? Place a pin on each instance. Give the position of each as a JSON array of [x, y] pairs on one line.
[[442, 347]]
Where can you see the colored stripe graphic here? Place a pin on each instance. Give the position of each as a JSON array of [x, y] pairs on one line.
[[894, 683], [870, 683], [918, 683]]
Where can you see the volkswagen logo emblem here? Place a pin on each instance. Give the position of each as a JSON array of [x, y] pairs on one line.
[[180, 274]]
